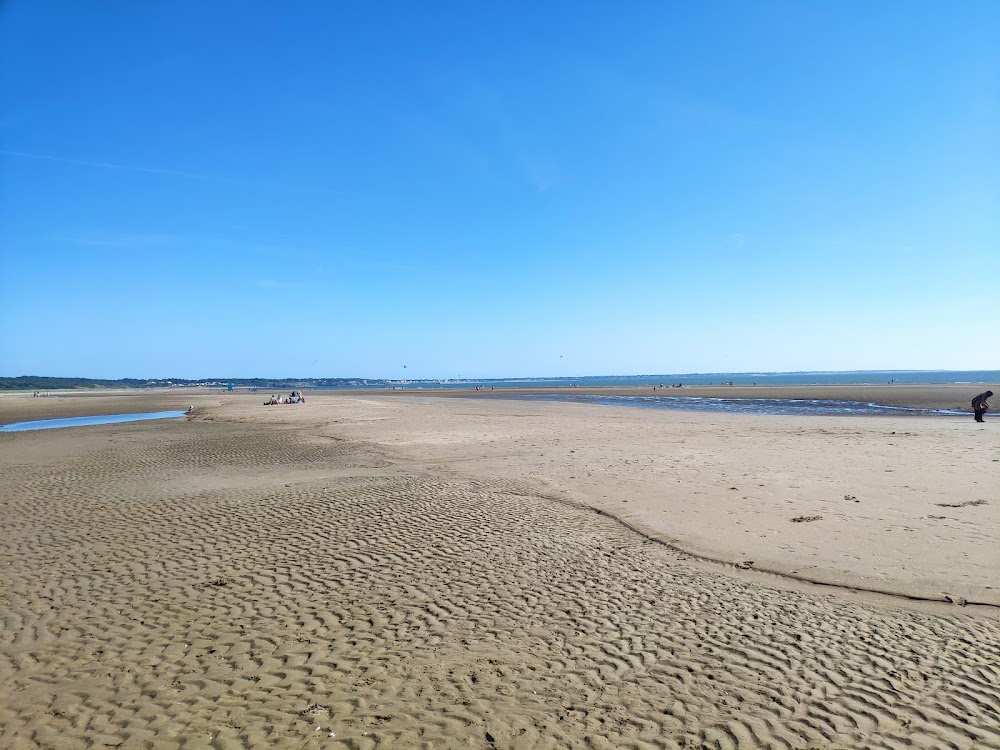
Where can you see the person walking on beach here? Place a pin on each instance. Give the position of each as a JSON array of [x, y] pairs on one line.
[[980, 406]]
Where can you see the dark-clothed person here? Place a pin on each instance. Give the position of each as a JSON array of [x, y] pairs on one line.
[[979, 405]]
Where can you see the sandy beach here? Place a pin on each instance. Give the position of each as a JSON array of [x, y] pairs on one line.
[[392, 569]]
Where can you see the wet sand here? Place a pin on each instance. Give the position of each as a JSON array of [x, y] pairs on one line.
[[369, 571], [950, 397]]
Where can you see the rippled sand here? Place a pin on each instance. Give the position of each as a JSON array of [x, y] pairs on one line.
[[254, 578]]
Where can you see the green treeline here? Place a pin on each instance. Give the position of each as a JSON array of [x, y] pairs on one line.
[[45, 383], [42, 383]]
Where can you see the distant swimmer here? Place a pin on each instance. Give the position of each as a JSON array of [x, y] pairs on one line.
[[979, 405]]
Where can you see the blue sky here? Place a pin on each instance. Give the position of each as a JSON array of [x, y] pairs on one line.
[[497, 189]]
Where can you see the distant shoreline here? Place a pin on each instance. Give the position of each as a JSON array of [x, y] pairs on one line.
[[33, 383]]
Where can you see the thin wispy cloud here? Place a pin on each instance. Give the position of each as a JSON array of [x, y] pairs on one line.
[[525, 153], [353, 259], [131, 241], [125, 240], [275, 284], [540, 171], [163, 172]]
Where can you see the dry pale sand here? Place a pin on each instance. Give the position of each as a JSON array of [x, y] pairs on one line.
[[361, 572], [905, 505]]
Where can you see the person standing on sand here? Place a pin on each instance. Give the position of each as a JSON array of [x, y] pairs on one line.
[[980, 406]]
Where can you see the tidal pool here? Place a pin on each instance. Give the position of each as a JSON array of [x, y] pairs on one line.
[[53, 424]]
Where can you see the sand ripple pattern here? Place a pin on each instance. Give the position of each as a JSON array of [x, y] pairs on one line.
[[365, 608]]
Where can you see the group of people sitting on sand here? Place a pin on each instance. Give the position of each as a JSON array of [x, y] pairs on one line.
[[295, 398]]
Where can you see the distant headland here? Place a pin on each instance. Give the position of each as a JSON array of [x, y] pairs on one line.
[[46, 383]]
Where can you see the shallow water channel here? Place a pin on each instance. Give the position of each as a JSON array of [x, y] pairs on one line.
[[52, 424], [784, 406]]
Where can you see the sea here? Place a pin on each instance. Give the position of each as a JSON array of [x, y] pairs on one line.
[[973, 378], [785, 406], [851, 377]]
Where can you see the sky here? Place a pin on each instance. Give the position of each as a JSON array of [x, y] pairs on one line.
[[473, 190]]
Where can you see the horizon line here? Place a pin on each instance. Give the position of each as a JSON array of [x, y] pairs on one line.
[[497, 378]]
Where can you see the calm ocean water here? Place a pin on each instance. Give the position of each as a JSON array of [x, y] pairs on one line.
[[788, 406], [858, 377]]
